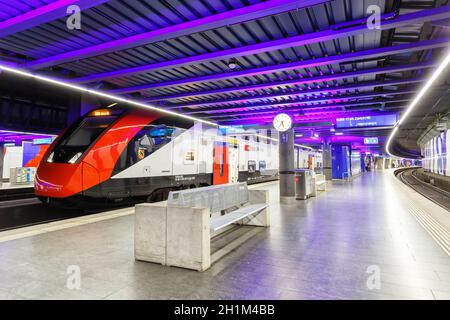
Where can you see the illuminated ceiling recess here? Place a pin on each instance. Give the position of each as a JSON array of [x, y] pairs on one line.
[[99, 93], [439, 70]]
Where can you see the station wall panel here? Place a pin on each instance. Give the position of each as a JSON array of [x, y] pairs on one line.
[[435, 153]]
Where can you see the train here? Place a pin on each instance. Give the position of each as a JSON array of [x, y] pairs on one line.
[[121, 155]]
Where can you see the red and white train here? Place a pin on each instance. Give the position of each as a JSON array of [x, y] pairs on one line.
[[122, 155]]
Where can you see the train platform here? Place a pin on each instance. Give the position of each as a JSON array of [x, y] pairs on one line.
[[370, 238], [10, 191]]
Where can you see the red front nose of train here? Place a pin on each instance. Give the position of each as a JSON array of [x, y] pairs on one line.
[[58, 180], [86, 153]]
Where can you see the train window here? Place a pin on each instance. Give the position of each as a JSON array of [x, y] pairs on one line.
[[73, 144], [189, 156], [251, 166], [144, 143]]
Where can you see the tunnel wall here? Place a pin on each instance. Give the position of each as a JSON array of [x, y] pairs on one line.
[[435, 155]]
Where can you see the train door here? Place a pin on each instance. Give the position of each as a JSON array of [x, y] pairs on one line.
[[220, 167], [233, 164]]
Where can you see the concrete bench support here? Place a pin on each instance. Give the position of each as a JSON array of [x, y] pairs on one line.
[[150, 232], [188, 238]]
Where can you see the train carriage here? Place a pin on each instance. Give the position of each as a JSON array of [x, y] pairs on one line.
[[121, 155]]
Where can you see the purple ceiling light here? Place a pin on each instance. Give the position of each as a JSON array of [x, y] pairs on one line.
[[342, 89], [326, 93], [325, 99], [313, 79], [251, 12], [334, 32], [306, 109], [347, 57], [42, 15]]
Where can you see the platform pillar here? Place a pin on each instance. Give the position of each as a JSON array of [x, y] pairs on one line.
[[326, 158], [1, 164], [287, 166]]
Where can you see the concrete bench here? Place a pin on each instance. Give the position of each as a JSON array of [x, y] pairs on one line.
[[321, 182], [178, 232], [318, 184]]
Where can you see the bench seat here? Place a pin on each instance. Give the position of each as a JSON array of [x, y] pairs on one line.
[[236, 215]]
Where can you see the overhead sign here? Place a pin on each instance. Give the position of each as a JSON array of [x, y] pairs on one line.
[[38, 141], [373, 140], [367, 121]]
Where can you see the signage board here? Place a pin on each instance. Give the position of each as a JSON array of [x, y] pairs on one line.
[[39, 141], [372, 140], [384, 120]]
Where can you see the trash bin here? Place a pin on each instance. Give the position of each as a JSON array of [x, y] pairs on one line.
[[302, 180]]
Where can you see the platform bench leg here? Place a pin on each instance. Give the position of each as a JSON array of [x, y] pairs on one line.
[[150, 233], [188, 238]]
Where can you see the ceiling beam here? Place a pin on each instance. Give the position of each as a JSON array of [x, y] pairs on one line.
[[336, 31], [42, 15], [294, 107], [251, 12], [339, 58], [321, 91], [310, 80], [222, 103]]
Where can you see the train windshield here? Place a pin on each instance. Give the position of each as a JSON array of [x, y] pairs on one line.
[[75, 142]]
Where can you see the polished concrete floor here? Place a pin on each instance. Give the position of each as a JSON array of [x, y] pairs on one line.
[[357, 240]]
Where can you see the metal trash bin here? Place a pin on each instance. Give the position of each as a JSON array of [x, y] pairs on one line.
[[303, 179]]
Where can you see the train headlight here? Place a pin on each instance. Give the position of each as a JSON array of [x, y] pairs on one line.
[[50, 157], [75, 157]]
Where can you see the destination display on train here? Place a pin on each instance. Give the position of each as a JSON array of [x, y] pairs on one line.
[[367, 121]]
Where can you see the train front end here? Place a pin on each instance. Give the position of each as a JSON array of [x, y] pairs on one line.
[[84, 156]]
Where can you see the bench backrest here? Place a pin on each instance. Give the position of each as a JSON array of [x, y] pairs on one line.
[[216, 198], [320, 177]]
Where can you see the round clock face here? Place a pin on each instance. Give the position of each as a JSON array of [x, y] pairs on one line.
[[282, 122]]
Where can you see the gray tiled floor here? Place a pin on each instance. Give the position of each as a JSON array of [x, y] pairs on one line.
[[317, 249]]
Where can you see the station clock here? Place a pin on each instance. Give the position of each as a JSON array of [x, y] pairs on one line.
[[282, 122]]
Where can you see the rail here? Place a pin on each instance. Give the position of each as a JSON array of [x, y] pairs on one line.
[[437, 195]]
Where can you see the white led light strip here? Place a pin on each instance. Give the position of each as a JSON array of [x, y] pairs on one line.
[[101, 94], [416, 100], [27, 133]]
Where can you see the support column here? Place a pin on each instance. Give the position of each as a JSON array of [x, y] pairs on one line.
[[326, 158], [1, 163], [287, 166]]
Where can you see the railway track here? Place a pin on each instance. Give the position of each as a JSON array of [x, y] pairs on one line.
[[431, 192], [19, 213]]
